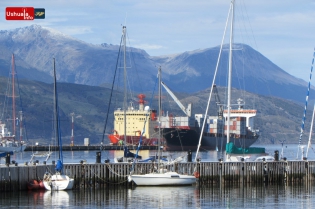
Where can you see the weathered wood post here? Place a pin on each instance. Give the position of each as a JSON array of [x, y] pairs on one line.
[[106, 172], [306, 171], [98, 157], [189, 156], [285, 170], [197, 175], [265, 172], [7, 159], [242, 172], [220, 170]]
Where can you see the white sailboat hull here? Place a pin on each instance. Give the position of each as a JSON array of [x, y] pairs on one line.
[[160, 179], [58, 182]]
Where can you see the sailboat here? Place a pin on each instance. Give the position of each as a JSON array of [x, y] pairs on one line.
[[303, 120], [161, 177], [233, 117], [57, 181], [8, 142]]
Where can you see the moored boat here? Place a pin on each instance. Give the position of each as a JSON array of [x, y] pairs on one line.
[[35, 184], [160, 176], [57, 181], [162, 179]]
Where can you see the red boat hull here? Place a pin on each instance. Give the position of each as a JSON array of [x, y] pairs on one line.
[[35, 185]]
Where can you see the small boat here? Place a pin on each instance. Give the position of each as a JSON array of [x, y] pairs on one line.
[[57, 181], [35, 184], [161, 177]]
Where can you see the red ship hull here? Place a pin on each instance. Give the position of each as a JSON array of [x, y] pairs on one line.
[[132, 140]]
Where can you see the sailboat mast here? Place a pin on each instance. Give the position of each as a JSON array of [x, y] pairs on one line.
[[125, 87], [230, 75], [160, 109], [21, 125], [13, 96], [311, 131], [213, 82], [56, 107]]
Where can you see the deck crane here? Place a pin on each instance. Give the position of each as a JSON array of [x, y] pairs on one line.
[[187, 110], [218, 102]]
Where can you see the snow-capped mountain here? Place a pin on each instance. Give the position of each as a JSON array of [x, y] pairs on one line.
[[83, 63]]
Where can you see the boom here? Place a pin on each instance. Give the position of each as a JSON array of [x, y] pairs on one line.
[[218, 102], [187, 110]]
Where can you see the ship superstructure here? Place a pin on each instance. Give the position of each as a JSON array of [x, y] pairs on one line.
[[141, 121]]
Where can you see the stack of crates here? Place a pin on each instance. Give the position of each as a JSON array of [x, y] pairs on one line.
[[237, 126]]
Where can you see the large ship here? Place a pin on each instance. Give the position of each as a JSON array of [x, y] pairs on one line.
[[138, 120], [183, 133]]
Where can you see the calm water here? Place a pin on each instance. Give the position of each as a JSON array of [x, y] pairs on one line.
[[216, 196], [167, 197]]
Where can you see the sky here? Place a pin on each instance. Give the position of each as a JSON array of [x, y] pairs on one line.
[[283, 31]]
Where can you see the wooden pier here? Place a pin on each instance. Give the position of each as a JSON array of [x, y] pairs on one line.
[[14, 177]]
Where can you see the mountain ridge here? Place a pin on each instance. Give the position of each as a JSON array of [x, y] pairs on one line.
[[192, 71]]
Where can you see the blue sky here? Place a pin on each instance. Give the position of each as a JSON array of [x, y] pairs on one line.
[[283, 31]]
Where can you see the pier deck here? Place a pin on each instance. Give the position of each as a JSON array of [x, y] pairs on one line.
[[100, 175]]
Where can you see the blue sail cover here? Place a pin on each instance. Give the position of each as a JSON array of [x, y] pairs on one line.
[[59, 166]]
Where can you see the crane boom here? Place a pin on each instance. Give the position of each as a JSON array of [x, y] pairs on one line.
[[187, 110], [218, 102]]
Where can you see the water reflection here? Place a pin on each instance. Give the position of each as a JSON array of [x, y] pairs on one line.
[[216, 196], [161, 197], [57, 198]]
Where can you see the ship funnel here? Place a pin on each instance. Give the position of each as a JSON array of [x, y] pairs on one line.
[[141, 101]]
